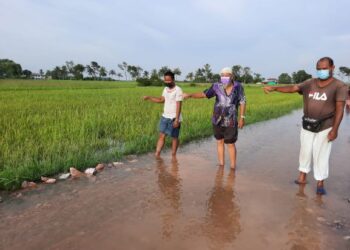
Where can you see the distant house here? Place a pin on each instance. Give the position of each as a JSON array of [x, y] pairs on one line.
[[37, 76], [270, 81]]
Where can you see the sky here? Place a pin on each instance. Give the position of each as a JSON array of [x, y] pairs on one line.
[[270, 37]]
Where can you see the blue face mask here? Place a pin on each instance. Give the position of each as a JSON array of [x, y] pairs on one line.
[[323, 74]]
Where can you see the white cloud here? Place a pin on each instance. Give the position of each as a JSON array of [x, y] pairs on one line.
[[155, 34], [226, 9], [343, 38]]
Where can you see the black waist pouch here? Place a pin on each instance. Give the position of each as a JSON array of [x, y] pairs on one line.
[[314, 125]]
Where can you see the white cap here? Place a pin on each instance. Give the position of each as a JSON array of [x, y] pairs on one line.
[[226, 70]]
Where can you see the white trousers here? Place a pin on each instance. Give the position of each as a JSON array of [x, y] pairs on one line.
[[317, 147]]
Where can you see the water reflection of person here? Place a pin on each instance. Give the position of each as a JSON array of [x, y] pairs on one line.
[[222, 219], [169, 184], [302, 225]]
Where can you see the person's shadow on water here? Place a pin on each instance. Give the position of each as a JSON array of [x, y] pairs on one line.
[[222, 223], [169, 184]]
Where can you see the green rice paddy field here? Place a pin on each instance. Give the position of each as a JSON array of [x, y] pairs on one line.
[[48, 126]]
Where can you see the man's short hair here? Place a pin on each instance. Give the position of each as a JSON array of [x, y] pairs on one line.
[[170, 73], [326, 58]]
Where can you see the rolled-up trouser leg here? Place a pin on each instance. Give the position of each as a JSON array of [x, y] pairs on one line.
[[321, 152], [305, 156]]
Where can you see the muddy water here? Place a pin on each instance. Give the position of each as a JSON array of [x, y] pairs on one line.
[[190, 203]]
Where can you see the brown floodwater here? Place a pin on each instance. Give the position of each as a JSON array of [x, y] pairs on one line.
[[190, 202]]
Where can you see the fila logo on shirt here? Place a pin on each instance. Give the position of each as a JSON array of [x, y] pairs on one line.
[[318, 96]]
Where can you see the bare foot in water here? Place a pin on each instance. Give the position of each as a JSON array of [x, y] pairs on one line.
[[301, 179], [157, 156]]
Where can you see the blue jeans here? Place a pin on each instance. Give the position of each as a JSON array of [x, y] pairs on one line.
[[166, 127]]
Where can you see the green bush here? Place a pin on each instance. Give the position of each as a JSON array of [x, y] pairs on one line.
[[143, 82]]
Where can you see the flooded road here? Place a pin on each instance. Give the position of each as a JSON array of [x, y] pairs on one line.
[[190, 202]]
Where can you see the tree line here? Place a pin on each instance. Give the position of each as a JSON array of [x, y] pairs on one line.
[[125, 71]]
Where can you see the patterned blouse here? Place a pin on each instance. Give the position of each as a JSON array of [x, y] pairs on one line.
[[226, 106]]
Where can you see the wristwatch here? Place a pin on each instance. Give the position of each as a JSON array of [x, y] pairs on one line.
[[242, 116]]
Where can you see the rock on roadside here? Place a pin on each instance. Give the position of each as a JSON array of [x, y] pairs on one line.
[[28, 184], [64, 176], [75, 173], [100, 167], [47, 180], [90, 171]]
